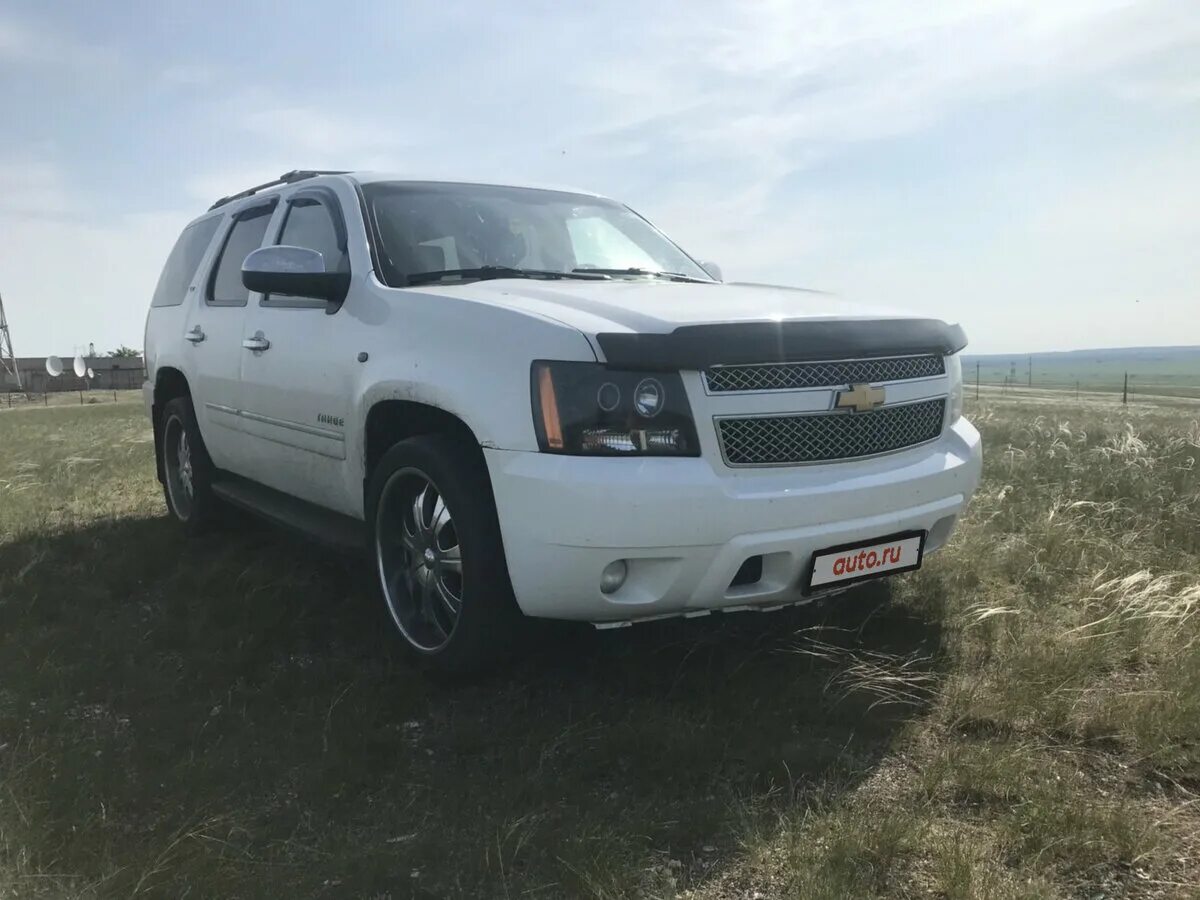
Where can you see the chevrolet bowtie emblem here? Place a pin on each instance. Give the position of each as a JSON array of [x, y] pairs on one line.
[[860, 398]]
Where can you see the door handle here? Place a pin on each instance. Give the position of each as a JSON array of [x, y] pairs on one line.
[[196, 335], [258, 343]]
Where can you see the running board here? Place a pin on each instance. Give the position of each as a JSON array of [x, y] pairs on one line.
[[336, 530]]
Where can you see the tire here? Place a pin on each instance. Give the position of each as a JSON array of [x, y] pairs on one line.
[[435, 541], [187, 469]]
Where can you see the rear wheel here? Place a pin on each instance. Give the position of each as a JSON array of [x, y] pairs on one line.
[[187, 469], [437, 549]]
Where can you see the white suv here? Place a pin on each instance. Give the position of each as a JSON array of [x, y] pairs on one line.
[[531, 401]]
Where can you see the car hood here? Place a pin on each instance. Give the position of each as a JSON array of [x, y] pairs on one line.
[[645, 306]]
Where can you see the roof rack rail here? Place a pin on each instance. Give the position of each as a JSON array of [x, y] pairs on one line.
[[286, 178]]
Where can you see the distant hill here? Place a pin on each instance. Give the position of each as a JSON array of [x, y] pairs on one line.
[[1152, 370]]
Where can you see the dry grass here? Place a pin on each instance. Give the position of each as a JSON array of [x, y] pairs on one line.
[[1058, 750], [230, 718]]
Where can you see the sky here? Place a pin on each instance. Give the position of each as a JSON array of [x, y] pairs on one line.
[[1029, 168]]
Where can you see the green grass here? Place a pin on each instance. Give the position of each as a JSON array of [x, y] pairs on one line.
[[231, 716], [1154, 372]]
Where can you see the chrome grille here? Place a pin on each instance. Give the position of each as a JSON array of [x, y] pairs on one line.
[[793, 376], [824, 437]]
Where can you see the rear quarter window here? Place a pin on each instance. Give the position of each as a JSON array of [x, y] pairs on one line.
[[183, 261]]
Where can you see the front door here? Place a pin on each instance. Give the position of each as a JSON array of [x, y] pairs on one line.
[[296, 389], [213, 339]]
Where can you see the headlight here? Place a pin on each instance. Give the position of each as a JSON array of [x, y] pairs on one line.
[[585, 409], [954, 371]]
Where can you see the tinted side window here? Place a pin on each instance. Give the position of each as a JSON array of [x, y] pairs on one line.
[[181, 264], [246, 236], [310, 225]]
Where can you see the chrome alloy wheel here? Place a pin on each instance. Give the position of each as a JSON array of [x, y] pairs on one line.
[[419, 559], [177, 461]]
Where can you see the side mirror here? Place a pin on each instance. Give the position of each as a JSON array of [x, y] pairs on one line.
[[712, 269], [295, 271]]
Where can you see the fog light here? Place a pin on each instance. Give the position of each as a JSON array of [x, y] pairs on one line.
[[613, 576], [608, 439], [637, 440]]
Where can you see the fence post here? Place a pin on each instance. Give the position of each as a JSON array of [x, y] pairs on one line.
[[1125, 390], [1077, 390], [976, 379]]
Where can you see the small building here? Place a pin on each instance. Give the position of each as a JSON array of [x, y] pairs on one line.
[[110, 373]]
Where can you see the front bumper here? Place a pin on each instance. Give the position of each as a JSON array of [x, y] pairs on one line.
[[686, 526]]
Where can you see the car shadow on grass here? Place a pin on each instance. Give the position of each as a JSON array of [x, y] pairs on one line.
[[233, 715]]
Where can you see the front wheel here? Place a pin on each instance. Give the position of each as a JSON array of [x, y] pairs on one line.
[[187, 469], [440, 560]]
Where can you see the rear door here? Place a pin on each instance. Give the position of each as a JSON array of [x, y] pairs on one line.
[[213, 338], [178, 290], [297, 391]]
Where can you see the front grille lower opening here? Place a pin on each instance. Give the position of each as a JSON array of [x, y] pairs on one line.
[[826, 437], [749, 573]]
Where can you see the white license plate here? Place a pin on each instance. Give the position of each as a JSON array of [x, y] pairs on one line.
[[859, 561]]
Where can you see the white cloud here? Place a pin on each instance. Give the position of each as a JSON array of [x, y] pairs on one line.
[[770, 87], [208, 186], [1102, 258], [26, 43], [750, 97], [70, 276], [274, 135], [711, 116], [1171, 80], [188, 75], [310, 133], [68, 282], [1149, 203], [732, 97], [32, 186]]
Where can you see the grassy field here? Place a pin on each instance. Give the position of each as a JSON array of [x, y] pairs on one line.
[[232, 718], [1153, 371], [15, 400]]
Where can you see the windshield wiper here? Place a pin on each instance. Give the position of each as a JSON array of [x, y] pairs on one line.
[[654, 273], [485, 272]]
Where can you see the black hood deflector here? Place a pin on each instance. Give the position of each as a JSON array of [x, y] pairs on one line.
[[701, 346]]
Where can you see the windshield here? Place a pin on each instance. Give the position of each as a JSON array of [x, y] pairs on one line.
[[426, 231]]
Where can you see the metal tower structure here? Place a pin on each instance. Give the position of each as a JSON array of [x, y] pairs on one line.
[[8, 360]]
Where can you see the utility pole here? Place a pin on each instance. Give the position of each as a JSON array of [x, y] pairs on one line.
[[8, 360]]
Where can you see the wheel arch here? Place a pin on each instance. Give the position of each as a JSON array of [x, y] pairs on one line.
[[169, 383], [389, 421]]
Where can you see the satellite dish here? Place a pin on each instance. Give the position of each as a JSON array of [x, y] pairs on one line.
[[80, 366], [54, 366], [91, 374]]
